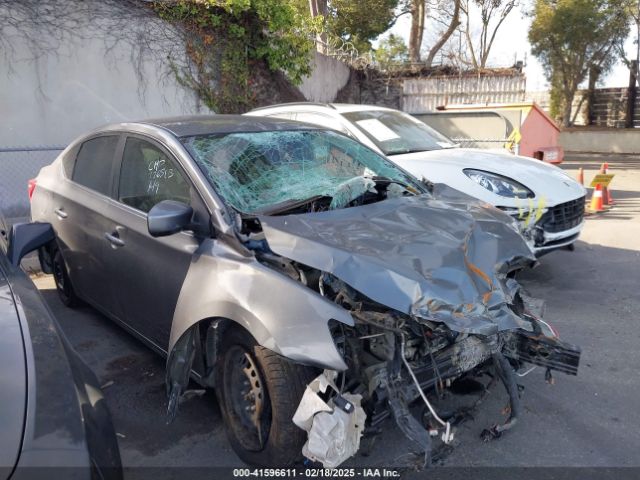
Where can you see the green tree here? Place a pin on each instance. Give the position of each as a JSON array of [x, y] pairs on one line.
[[391, 51], [223, 38], [569, 37], [360, 21]]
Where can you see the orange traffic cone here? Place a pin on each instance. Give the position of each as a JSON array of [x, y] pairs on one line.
[[596, 199], [581, 176]]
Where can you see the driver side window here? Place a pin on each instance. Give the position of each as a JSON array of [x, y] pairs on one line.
[[148, 176]]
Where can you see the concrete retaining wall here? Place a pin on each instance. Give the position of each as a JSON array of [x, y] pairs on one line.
[[328, 77], [600, 140], [51, 97]]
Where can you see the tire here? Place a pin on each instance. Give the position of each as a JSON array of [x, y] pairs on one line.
[[281, 386], [63, 285]]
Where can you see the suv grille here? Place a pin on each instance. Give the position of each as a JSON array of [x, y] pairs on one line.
[[563, 217]]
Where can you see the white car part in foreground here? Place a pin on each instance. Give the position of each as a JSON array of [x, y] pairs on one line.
[[334, 428]]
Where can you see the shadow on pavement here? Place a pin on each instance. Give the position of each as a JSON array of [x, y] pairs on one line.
[[133, 382]]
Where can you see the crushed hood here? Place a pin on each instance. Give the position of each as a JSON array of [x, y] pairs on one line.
[[441, 260]]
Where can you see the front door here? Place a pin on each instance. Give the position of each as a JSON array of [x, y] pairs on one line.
[[149, 272]]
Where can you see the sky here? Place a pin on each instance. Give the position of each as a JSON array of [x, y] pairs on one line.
[[511, 43]]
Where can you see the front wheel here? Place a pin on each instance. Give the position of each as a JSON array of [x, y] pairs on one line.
[[258, 392]]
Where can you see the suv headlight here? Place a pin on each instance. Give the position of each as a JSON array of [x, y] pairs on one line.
[[503, 186]]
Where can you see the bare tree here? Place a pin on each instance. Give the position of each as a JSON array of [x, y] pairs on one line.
[[418, 12], [492, 15], [633, 12], [449, 19]]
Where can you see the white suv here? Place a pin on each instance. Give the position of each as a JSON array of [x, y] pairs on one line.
[[547, 202]]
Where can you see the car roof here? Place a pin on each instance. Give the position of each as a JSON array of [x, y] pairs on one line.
[[187, 126], [336, 107], [350, 107]]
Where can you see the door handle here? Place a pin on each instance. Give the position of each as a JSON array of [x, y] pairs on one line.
[[114, 240], [60, 213]]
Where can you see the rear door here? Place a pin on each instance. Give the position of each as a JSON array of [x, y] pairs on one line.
[[149, 272], [81, 211]]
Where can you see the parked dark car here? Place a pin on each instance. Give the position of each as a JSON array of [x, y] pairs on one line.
[[52, 413], [318, 287]]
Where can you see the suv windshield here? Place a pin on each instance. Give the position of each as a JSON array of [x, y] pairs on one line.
[[254, 171], [395, 132]]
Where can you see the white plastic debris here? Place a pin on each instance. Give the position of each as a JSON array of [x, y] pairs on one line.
[[333, 431]]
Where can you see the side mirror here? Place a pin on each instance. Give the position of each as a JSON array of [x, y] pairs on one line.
[[27, 237], [168, 217]]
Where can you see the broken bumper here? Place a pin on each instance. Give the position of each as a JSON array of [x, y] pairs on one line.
[[334, 433], [554, 241], [519, 346]]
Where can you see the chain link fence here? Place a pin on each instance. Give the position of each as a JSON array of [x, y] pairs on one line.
[[486, 143], [17, 166]]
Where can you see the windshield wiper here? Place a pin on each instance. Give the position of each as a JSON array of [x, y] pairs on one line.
[[411, 150], [386, 180], [289, 205]]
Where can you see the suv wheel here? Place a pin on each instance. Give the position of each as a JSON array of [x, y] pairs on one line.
[[258, 392], [63, 285]]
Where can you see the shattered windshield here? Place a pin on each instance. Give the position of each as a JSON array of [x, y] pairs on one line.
[[255, 171], [395, 132]]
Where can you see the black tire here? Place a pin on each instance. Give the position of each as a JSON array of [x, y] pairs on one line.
[[282, 383], [63, 285]]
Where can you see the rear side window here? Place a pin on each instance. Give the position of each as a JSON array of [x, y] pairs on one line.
[[148, 176], [93, 164]]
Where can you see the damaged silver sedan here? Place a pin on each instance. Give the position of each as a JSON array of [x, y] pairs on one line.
[[315, 285]]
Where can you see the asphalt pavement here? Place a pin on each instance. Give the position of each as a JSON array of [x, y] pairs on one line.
[[591, 420]]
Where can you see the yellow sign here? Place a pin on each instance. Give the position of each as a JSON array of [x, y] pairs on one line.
[[515, 136], [513, 139], [603, 179]]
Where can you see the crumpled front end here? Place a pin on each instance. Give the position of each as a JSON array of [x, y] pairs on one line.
[[443, 261], [430, 285], [418, 292], [395, 360]]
